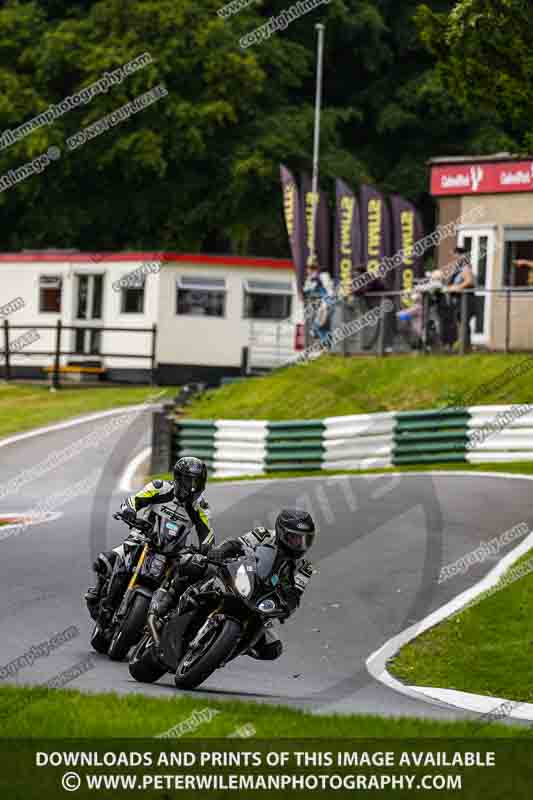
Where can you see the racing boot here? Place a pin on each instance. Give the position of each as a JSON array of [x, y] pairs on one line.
[[267, 648], [93, 596], [103, 567]]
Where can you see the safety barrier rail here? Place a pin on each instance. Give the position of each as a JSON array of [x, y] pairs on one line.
[[361, 441]]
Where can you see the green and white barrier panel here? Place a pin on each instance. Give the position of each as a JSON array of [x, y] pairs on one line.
[[295, 445], [500, 434], [234, 447], [228, 447], [431, 437], [362, 441]]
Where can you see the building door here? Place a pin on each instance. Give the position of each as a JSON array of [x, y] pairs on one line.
[[89, 302], [480, 243]]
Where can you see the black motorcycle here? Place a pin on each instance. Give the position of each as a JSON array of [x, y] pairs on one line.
[[217, 619], [148, 556]]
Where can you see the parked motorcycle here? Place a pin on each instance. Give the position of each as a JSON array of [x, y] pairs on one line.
[[148, 555], [217, 619]]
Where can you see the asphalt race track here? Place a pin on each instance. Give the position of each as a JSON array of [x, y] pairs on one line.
[[382, 542]]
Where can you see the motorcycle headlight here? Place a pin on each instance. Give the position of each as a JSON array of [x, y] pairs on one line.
[[267, 605], [242, 582]]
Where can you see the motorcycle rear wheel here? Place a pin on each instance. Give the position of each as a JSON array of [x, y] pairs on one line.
[[190, 674]]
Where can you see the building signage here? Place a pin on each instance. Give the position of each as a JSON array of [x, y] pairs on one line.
[[485, 178]]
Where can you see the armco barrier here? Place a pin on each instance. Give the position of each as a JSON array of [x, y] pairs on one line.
[[362, 441]]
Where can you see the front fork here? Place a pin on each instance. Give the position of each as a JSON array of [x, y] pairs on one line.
[[123, 607]]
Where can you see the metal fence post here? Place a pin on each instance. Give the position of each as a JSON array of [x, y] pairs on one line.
[[343, 323], [424, 322], [507, 319], [55, 378], [7, 368], [381, 333], [308, 319], [153, 356], [244, 361], [464, 323]]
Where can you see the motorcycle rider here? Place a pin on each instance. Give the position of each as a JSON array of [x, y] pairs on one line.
[[186, 492], [292, 536]]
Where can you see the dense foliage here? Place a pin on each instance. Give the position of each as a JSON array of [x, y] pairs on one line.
[[199, 168], [484, 57]]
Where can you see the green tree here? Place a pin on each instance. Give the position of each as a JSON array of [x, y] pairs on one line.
[[484, 57], [199, 169]]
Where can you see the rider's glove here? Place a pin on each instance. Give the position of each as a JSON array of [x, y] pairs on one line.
[[129, 515], [216, 555]]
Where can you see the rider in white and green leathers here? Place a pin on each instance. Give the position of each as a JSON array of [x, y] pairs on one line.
[[185, 492]]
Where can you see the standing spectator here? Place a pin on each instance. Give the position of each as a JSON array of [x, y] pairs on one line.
[[462, 280], [318, 289], [523, 262], [522, 278], [411, 319]]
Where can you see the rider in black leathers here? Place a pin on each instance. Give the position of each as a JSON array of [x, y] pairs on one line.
[[293, 535]]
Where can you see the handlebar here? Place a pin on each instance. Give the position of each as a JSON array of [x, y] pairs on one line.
[[141, 524]]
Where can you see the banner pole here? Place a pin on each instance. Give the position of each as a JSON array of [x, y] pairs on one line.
[[316, 143]]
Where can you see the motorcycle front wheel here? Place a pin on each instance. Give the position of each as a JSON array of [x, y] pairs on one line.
[[199, 663], [130, 630], [99, 640], [144, 666]]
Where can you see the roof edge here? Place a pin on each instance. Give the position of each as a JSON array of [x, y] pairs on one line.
[[69, 256], [495, 157]]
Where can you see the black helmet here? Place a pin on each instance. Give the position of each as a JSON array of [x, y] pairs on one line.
[[295, 531], [190, 476]]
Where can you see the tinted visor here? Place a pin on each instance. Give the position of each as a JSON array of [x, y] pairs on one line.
[[296, 541], [187, 485]]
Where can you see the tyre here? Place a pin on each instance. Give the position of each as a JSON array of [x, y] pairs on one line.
[[99, 640], [145, 668], [129, 632], [196, 666]]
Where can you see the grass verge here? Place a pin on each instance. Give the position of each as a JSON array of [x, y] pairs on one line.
[[37, 712], [334, 386], [486, 648], [23, 407]]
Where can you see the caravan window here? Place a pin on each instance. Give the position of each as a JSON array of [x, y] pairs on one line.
[[49, 294], [200, 296], [267, 300], [133, 296]]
